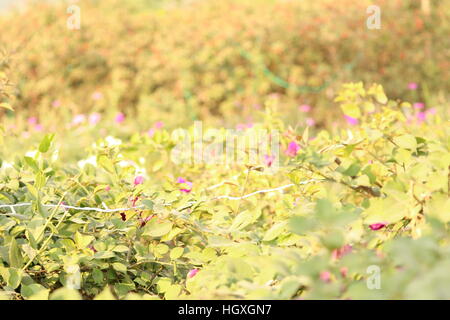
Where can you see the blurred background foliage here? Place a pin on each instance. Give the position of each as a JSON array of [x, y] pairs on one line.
[[218, 61]]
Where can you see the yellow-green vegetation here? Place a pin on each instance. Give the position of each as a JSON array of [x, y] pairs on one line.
[[98, 200]]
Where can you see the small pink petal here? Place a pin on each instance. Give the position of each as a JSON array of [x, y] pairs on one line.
[[421, 116], [120, 117], [32, 120], [78, 119], [325, 276], [292, 149], [412, 86], [94, 118], [377, 226], [419, 105], [97, 95], [158, 125], [310, 122], [38, 127], [305, 108], [192, 273], [268, 160], [350, 120], [185, 182], [138, 180]]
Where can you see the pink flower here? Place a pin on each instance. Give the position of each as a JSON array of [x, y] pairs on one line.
[[310, 122], [151, 132], [78, 119], [243, 126], [344, 272], [431, 111], [412, 86], [325, 276], [350, 120], [268, 160], [377, 226], [94, 118], [158, 125], [138, 180], [56, 104], [185, 182], [419, 105], [339, 253], [421, 116], [304, 108], [97, 95], [32, 120], [192, 273], [108, 188], [120, 117], [38, 127], [292, 149]]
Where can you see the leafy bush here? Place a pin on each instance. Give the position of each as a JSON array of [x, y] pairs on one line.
[[343, 204]]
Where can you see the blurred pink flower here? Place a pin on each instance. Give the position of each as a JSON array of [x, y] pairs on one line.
[[292, 149], [310, 122], [305, 108], [243, 126], [192, 273], [339, 253], [431, 111], [78, 119], [108, 188], [268, 160], [56, 104], [350, 120], [158, 125], [120, 117], [95, 118], [138, 180], [421, 116], [412, 86], [419, 105], [325, 276], [151, 132], [32, 120], [38, 127], [377, 226], [186, 183], [97, 95]]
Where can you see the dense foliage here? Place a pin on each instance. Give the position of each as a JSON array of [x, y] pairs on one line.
[[357, 206]]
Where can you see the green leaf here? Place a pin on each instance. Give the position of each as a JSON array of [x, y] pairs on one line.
[[46, 142], [15, 256], [406, 141], [156, 229]]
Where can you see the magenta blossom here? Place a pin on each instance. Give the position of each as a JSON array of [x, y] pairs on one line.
[[138, 180], [151, 132], [32, 120], [120, 117], [325, 276], [185, 182], [192, 273], [377, 226], [421, 116], [268, 160], [94, 118], [158, 125], [38, 127], [419, 105], [305, 108], [310, 122], [56, 104], [97, 95], [412, 86], [350, 120], [78, 119], [292, 149]]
